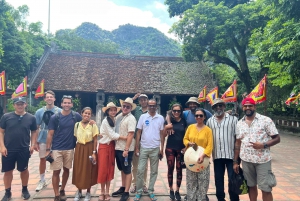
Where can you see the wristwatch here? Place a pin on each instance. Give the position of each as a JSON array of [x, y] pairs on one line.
[[265, 145]]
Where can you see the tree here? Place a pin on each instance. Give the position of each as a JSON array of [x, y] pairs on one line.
[[278, 43], [219, 31]]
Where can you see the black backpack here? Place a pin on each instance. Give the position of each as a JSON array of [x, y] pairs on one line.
[[47, 114]]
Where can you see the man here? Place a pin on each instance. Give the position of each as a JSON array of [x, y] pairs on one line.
[[125, 126], [255, 134], [15, 145], [61, 141], [42, 116], [152, 141], [223, 128], [142, 109], [189, 115]]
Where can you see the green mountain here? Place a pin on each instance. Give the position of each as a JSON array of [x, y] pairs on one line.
[[131, 39]]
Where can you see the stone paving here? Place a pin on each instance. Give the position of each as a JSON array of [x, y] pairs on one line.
[[286, 166]]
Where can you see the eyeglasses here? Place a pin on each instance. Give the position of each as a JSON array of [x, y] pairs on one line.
[[218, 105], [66, 96], [152, 106], [176, 111], [20, 118], [249, 106], [199, 115], [126, 107]]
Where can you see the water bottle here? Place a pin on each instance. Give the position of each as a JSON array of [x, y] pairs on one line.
[[126, 161], [92, 160]]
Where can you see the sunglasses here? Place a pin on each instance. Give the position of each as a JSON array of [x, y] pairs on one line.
[[66, 96], [176, 111], [199, 115], [152, 106], [126, 107], [20, 118], [218, 105]]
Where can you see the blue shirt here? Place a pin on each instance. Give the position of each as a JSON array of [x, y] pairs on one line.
[[42, 138], [63, 137], [190, 117]]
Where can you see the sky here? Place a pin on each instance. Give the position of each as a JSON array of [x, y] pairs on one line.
[[107, 14]]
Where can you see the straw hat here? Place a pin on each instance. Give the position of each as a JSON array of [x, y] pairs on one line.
[[110, 105], [218, 100], [130, 101], [191, 157], [192, 100]]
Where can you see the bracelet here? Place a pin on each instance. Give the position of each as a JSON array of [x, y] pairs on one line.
[[235, 161], [126, 149], [48, 149], [94, 152]]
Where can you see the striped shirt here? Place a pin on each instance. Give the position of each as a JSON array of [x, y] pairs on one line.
[[224, 136]]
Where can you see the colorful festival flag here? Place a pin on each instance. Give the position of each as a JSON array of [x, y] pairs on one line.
[[230, 95], [292, 99], [40, 90], [202, 95], [21, 89], [212, 95], [2, 83], [259, 92]]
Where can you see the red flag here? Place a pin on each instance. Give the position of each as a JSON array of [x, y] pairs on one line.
[[291, 99], [40, 90], [2, 83], [202, 95], [21, 89], [230, 94], [259, 92], [212, 95]]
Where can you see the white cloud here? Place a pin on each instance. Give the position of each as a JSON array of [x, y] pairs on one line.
[[69, 14]]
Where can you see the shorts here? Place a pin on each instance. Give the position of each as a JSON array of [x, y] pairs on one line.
[[42, 151], [258, 174], [120, 161], [62, 158], [21, 157]]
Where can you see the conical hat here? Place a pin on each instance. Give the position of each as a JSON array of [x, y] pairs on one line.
[[191, 157]]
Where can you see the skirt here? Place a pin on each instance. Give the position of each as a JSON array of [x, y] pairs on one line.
[[106, 158], [84, 172]]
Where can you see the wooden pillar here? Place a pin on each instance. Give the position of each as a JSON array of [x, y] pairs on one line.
[[157, 97]]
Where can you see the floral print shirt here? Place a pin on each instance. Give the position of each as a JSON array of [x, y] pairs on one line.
[[260, 130]]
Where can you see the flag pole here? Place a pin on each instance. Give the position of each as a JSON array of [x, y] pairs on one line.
[[265, 105]]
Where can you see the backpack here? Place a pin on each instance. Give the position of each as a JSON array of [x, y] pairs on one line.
[[47, 114]]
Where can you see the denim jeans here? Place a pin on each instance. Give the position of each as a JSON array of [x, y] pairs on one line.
[[219, 170]]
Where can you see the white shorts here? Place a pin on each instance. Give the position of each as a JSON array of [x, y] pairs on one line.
[[42, 151]]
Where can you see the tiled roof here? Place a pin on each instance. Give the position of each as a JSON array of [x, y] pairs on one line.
[[88, 72]]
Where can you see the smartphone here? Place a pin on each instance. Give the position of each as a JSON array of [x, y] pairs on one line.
[[160, 156]]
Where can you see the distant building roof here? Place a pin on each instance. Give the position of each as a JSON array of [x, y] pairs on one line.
[[88, 72]]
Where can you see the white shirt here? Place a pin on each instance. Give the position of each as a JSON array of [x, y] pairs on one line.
[[151, 127], [107, 132]]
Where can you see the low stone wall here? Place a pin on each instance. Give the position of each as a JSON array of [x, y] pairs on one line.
[[292, 126]]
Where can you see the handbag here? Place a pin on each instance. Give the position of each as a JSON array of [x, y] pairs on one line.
[[238, 183]]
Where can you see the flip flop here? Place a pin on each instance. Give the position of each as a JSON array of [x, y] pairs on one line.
[[101, 197], [107, 197], [152, 197]]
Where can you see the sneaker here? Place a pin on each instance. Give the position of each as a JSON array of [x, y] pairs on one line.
[[177, 196], [78, 195], [145, 189], [133, 189], [62, 195], [118, 192], [25, 195], [125, 197], [172, 196], [6, 197], [40, 185], [56, 198], [87, 196]]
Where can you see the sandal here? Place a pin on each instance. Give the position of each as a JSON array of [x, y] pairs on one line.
[[137, 197], [152, 197], [107, 197], [101, 197]]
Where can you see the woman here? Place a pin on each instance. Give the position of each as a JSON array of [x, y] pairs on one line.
[[197, 182], [84, 171], [174, 147], [106, 149]]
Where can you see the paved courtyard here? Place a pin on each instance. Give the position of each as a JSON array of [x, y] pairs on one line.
[[286, 166]]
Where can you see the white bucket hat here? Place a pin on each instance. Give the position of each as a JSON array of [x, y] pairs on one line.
[[191, 157]]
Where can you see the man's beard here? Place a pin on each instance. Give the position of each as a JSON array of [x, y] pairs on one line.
[[219, 113], [249, 114], [193, 109]]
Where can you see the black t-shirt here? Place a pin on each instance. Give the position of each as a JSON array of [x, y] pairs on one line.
[[17, 130], [175, 141]]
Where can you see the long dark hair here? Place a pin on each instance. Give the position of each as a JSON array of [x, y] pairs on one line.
[[109, 120]]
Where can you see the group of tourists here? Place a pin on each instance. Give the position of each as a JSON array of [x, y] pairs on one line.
[[132, 135]]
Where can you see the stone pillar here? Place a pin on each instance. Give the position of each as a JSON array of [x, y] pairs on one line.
[[100, 98], [157, 97]]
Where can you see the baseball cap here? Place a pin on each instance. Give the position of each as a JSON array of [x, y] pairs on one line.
[[19, 99]]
